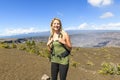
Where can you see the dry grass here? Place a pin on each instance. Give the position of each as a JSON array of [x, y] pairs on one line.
[[84, 64], [90, 60]]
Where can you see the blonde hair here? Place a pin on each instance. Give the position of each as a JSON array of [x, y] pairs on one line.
[[51, 30]]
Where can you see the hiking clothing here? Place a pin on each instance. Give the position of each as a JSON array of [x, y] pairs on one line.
[[58, 54], [62, 69]]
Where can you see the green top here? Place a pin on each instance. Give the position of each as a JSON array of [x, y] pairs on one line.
[[58, 50]]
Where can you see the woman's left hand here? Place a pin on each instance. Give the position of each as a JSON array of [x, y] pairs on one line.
[[61, 41]]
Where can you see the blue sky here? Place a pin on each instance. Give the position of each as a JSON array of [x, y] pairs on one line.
[[25, 16]]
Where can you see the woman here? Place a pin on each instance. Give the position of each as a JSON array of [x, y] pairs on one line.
[[59, 45]]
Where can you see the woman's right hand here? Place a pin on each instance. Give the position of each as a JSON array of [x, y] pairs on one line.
[[49, 44]]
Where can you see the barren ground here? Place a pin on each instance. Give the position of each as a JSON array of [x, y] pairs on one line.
[[20, 65]]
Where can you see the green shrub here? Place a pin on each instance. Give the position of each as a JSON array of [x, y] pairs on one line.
[[108, 68], [21, 47], [13, 45], [5, 45], [118, 69], [74, 63]]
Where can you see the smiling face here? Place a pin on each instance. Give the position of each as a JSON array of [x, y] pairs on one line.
[[56, 25]]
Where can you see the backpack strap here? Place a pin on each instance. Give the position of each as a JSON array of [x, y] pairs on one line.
[[60, 35], [51, 36], [66, 48]]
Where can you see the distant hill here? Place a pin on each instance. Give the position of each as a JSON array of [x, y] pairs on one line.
[[81, 38], [46, 33], [96, 39]]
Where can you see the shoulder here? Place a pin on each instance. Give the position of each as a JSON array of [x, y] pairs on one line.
[[50, 37], [65, 33]]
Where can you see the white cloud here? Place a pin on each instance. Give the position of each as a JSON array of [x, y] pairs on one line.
[[83, 26], [71, 28], [9, 32], [107, 2], [109, 26], [106, 15], [20, 31], [99, 3], [80, 27], [59, 14], [86, 26]]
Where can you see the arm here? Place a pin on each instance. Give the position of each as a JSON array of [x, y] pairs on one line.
[[66, 44], [50, 40], [66, 41]]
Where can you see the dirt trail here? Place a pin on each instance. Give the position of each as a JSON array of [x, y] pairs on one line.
[[18, 65]]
